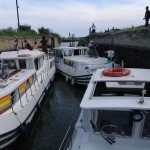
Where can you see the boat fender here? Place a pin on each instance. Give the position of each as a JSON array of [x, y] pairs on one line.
[[38, 107], [137, 116], [67, 78], [46, 92], [51, 83], [72, 81], [23, 131]]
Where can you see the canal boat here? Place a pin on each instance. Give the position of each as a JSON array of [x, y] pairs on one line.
[[115, 112], [77, 64], [25, 77]]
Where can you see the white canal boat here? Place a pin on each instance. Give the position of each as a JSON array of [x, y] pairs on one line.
[[77, 65], [115, 112], [25, 77]]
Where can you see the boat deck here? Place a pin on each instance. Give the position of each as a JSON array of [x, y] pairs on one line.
[[129, 100], [97, 142], [14, 81]]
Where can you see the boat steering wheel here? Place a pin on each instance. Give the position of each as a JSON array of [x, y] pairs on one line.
[[109, 129]]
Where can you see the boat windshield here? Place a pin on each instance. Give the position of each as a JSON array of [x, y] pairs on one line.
[[11, 63], [121, 89], [68, 53], [114, 122]]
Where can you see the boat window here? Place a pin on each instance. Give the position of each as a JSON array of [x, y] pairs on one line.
[[118, 88], [41, 61], [15, 96], [28, 84], [4, 70], [29, 64], [52, 63], [68, 53], [68, 62], [85, 51], [114, 122], [36, 63], [22, 63], [59, 53], [77, 52], [34, 77], [11, 64], [146, 128]]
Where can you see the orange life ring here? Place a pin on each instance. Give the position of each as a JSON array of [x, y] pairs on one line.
[[116, 72]]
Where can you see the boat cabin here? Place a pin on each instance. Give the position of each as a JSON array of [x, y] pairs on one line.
[[25, 59], [117, 109], [18, 71], [62, 52]]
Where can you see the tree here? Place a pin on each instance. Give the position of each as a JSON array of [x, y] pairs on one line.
[[43, 31], [24, 28], [82, 42]]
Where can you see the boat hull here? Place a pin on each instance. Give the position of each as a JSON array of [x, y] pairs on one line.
[[82, 79], [17, 121]]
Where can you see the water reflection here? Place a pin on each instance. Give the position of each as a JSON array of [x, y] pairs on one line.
[[59, 111], [64, 44]]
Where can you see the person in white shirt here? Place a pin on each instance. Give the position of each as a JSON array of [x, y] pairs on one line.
[[90, 45], [110, 54]]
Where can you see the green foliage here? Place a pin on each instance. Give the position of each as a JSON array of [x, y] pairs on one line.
[[58, 36], [8, 31], [82, 42], [25, 31], [43, 31], [24, 28]]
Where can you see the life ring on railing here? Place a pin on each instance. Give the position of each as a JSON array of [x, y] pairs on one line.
[[116, 72]]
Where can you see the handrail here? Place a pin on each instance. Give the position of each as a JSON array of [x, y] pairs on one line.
[[63, 141], [17, 95]]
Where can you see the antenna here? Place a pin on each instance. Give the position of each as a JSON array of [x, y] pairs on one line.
[[17, 12], [142, 98]]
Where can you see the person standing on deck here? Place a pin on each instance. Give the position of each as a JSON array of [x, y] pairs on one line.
[[110, 54], [28, 45], [16, 44], [93, 28], [90, 45], [44, 45], [147, 16], [35, 46]]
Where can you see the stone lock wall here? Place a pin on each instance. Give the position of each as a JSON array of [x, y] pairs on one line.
[[7, 43], [131, 46]]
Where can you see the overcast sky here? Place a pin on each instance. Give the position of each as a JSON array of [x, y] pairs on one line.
[[74, 16]]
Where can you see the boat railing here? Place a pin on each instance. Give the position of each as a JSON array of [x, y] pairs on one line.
[[50, 54], [66, 143], [28, 89]]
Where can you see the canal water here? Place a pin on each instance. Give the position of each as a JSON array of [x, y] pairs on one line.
[[60, 110]]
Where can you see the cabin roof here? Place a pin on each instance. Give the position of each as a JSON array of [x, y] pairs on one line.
[[139, 75], [116, 102], [20, 54]]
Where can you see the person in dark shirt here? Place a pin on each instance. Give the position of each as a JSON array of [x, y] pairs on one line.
[[147, 16], [44, 45], [16, 44], [28, 45]]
